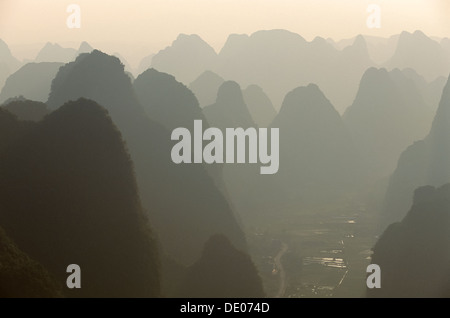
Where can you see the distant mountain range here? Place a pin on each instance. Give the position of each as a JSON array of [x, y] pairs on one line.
[[205, 87], [32, 81], [186, 58], [416, 50], [278, 61], [86, 171], [53, 52], [8, 63]]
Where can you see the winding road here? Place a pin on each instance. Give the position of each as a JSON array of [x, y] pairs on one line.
[[280, 268], [346, 269]]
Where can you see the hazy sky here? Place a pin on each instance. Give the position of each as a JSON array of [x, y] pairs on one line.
[[146, 26]]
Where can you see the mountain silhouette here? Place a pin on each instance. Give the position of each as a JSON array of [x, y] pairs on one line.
[[425, 162], [53, 52], [21, 276], [263, 58], [6, 55], [184, 205], [82, 204], [205, 87], [279, 60], [145, 64], [259, 105], [186, 58], [230, 109], [414, 254], [173, 105], [380, 49], [33, 81], [8, 63], [27, 110], [416, 50], [430, 91], [85, 48], [128, 68], [166, 100], [222, 272], [388, 114], [318, 161]]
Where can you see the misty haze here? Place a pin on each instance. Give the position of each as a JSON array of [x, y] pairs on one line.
[[123, 163]]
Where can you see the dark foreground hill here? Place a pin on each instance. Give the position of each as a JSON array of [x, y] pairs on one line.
[[222, 272], [68, 195], [414, 254], [21, 276], [27, 110]]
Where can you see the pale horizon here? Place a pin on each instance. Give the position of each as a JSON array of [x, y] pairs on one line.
[[139, 28]]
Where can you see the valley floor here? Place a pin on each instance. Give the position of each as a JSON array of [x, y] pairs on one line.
[[315, 254]]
